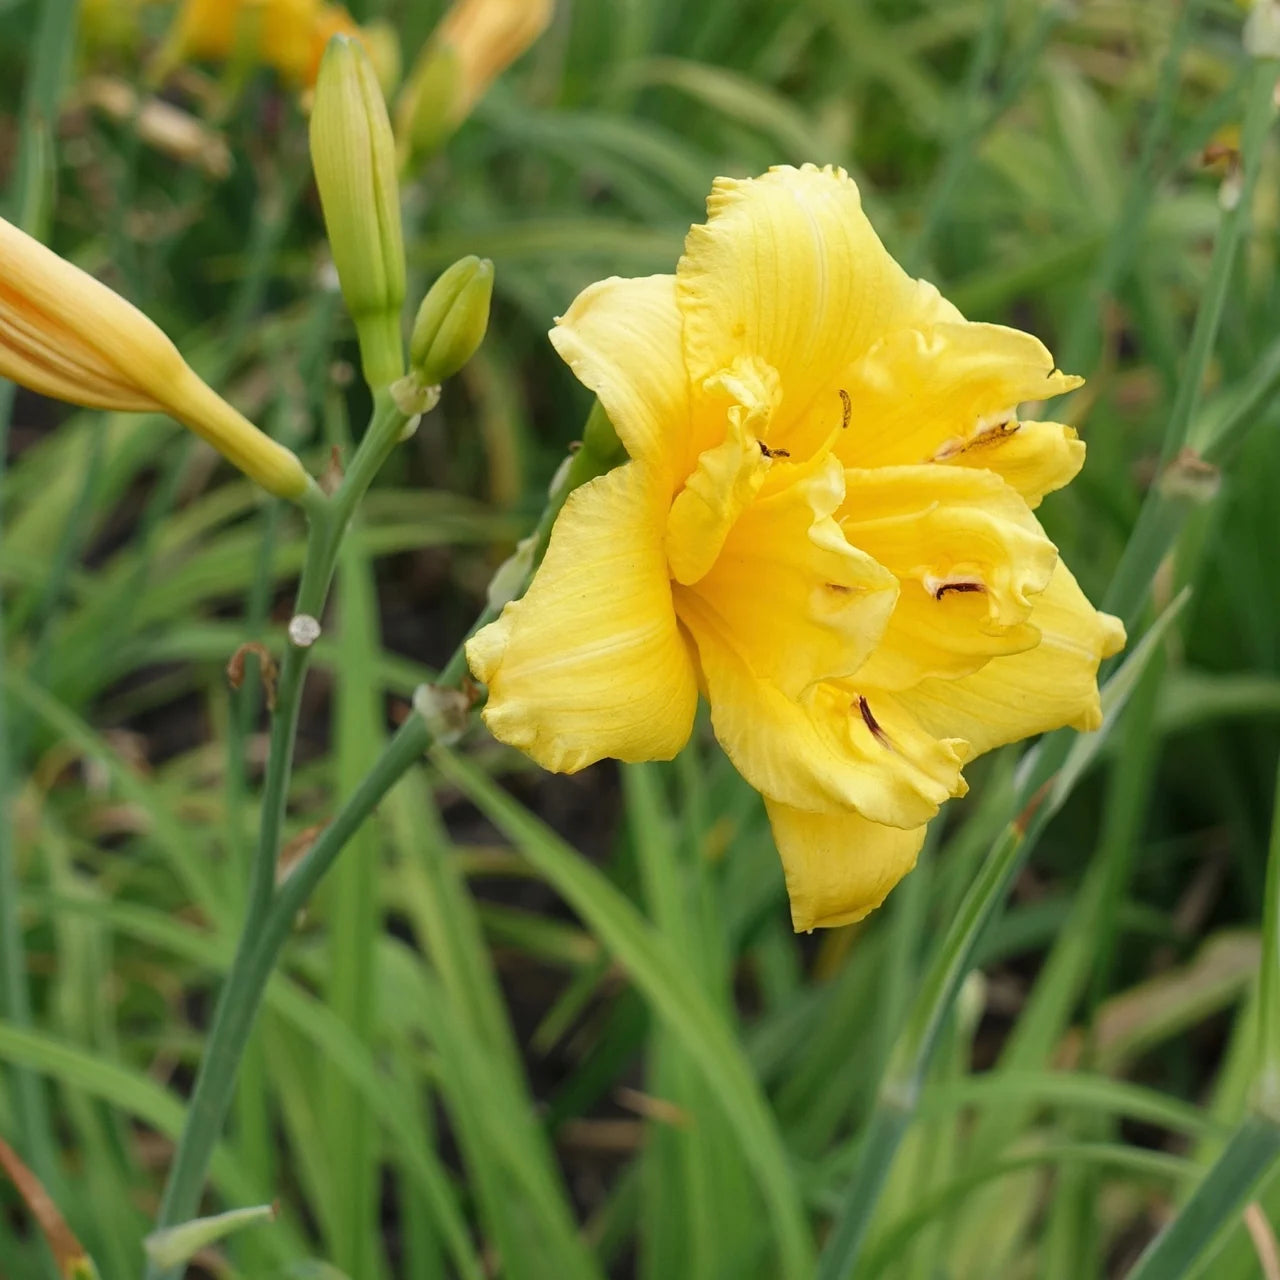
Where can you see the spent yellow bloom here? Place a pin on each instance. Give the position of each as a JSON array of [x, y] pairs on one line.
[[825, 524], [473, 44], [66, 335]]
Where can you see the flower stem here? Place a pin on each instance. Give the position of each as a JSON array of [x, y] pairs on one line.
[[1163, 511], [327, 520]]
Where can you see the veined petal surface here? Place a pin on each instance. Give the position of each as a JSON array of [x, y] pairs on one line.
[[788, 268], [1052, 685], [829, 749], [622, 338], [590, 662], [839, 867], [919, 390], [728, 475], [789, 591], [1035, 458], [971, 559]]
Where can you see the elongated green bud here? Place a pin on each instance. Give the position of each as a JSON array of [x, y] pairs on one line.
[[426, 114], [354, 156], [452, 320]]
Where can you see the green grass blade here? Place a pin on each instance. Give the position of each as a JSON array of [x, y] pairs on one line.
[[668, 988]]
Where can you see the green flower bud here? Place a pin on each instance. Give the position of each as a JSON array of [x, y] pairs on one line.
[[354, 156], [452, 320], [426, 114]]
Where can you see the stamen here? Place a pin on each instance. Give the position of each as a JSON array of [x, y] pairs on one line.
[[873, 724], [944, 587], [773, 453]]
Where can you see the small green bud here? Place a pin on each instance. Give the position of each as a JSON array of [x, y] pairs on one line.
[[452, 320], [354, 156]]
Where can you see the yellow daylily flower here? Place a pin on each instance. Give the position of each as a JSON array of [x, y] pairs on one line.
[[289, 36], [825, 525], [66, 335]]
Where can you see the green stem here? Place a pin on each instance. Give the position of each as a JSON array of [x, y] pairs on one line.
[[327, 519], [1259, 112], [1163, 511], [1079, 341]]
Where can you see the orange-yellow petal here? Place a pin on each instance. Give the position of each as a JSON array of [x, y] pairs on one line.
[[839, 866], [591, 662], [922, 390], [622, 340], [788, 269], [1052, 685]]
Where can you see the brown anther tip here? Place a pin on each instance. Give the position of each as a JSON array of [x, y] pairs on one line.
[[957, 586], [872, 723], [266, 666]]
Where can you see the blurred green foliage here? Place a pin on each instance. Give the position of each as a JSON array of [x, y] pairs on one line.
[[453, 1067]]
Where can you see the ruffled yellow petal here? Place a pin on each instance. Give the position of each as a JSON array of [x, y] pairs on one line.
[[622, 338], [829, 749], [1034, 458], [728, 476], [838, 866], [920, 391], [947, 635], [1052, 685], [796, 599], [971, 559], [787, 268], [591, 662]]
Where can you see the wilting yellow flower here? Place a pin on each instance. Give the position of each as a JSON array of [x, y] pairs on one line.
[[473, 44], [825, 525], [66, 335], [288, 35]]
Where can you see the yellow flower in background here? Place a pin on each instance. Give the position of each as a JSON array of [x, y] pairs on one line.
[[825, 525], [289, 36], [66, 335], [473, 44]]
